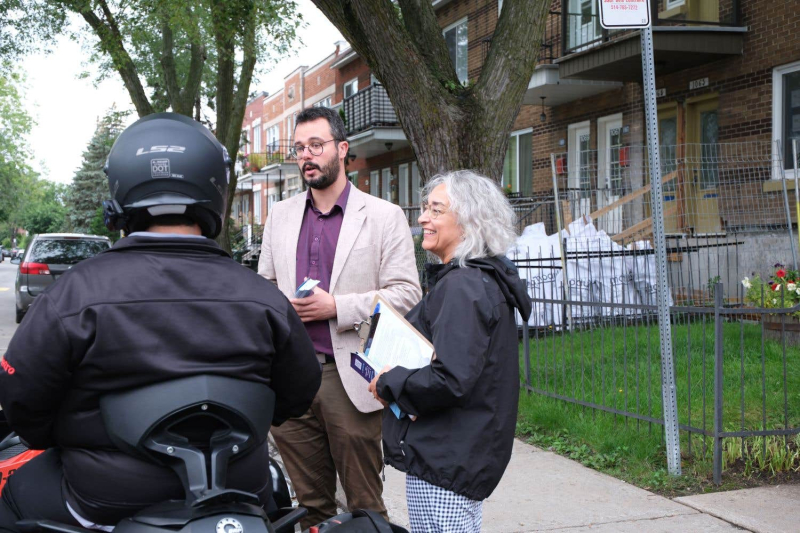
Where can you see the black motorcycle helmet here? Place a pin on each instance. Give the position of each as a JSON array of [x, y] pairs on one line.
[[166, 164]]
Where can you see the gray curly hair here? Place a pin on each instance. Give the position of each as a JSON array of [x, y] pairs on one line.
[[482, 211]]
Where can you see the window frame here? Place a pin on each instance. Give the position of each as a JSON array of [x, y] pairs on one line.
[[374, 183], [455, 25], [354, 84], [514, 137], [778, 112]]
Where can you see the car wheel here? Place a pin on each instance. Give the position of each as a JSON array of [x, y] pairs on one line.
[[20, 314]]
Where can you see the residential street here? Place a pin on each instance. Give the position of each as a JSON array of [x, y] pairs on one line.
[[7, 324]]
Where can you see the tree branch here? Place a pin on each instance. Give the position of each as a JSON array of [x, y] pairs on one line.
[[168, 63], [430, 115], [507, 71], [423, 28], [112, 44]]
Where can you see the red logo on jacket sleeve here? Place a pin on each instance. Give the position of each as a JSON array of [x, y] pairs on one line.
[[5, 365]]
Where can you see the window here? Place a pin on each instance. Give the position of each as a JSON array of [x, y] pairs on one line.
[[245, 140], [455, 36], [518, 164], [415, 184], [272, 138], [325, 102], [66, 251], [353, 177], [256, 136], [786, 114], [290, 93], [257, 203], [579, 169], [374, 178], [350, 88], [386, 184], [402, 185]]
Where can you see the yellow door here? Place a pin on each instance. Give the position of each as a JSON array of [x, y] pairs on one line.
[[702, 166], [704, 10]]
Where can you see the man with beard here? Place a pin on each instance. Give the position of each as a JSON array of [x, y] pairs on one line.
[[357, 246]]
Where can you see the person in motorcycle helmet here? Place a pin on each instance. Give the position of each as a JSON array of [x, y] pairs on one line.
[[164, 302]]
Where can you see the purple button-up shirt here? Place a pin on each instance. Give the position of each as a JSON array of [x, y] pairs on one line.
[[316, 249]]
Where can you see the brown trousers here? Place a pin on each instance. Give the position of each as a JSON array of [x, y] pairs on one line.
[[333, 437]]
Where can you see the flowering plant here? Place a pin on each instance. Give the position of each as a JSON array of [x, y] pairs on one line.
[[780, 291]]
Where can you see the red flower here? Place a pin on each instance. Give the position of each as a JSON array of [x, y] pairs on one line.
[[774, 286], [781, 273]]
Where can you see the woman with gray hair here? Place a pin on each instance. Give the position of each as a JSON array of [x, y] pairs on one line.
[[455, 441]]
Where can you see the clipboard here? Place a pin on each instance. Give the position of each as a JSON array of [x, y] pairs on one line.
[[392, 341]]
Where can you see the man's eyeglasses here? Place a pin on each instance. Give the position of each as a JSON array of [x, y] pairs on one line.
[[433, 211], [314, 148]]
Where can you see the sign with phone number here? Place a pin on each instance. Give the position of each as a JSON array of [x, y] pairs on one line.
[[617, 14]]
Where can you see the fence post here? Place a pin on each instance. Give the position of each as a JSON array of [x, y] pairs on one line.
[[718, 378], [557, 201], [526, 351]]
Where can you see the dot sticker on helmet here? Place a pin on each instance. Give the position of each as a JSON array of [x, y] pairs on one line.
[[159, 168]]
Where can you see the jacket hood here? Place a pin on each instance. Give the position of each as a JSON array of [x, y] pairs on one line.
[[514, 288], [506, 273]]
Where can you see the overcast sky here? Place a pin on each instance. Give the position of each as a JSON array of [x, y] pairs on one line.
[[66, 108]]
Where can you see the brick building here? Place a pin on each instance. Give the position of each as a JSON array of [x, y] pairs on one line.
[[727, 72]]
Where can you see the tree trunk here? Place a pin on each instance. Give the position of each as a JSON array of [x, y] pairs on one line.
[[231, 104], [449, 126]]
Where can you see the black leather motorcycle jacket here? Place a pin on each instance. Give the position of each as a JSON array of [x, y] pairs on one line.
[[147, 310]]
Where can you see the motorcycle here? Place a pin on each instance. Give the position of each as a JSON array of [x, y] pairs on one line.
[[192, 424]]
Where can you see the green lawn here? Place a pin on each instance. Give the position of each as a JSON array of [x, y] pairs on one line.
[[619, 367]]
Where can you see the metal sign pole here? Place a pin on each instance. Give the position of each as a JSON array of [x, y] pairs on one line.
[[668, 393]]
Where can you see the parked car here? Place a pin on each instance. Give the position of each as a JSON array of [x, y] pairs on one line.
[[5, 252], [47, 256]]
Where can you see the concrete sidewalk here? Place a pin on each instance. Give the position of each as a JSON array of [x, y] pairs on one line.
[[542, 491]]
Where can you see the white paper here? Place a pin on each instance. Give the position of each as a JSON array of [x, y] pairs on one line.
[[397, 343]]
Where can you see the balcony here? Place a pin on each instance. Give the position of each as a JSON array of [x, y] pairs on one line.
[[686, 33], [371, 123], [547, 82], [275, 167]]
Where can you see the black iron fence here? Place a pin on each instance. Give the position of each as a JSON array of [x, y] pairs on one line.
[[367, 109], [593, 340]]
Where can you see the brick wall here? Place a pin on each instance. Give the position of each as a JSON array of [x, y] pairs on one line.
[[252, 113], [273, 111]]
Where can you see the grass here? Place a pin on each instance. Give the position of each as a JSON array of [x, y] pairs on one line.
[[619, 367]]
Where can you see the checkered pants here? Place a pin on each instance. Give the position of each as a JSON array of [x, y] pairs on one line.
[[432, 509]]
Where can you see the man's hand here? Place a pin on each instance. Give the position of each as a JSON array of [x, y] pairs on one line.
[[373, 385], [318, 306]]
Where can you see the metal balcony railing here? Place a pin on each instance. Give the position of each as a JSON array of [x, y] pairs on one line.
[[550, 45], [275, 152], [369, 108], [581, 29]]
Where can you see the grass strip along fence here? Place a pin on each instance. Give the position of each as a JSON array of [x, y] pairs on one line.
[[738, 383]]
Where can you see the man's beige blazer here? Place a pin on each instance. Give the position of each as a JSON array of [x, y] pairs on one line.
[[374, 255]]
